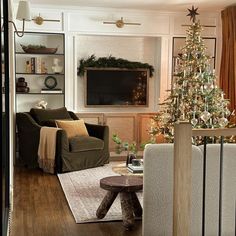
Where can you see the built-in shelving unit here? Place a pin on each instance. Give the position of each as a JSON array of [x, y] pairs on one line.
[[36, 67]]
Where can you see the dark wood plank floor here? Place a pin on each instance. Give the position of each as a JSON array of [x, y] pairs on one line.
[[40, 208]]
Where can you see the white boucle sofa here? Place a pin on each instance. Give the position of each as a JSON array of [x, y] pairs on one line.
[[158, 190]]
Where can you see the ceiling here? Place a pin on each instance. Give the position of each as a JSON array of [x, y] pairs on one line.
[[163, 5]]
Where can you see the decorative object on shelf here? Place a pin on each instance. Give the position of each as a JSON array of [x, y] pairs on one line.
[[111, 62], [28, 67], [23, 14], [120, 23], [39, 20], [56, 68], [41, 105], [194, 96], [21, 86], [44, 69], [38, 49], [50, 82]]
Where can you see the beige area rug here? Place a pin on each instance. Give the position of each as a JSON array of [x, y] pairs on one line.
[[84, 195]]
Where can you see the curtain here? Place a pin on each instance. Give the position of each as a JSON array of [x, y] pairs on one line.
[[228, 58]]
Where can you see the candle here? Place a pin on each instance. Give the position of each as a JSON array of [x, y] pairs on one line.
[[184, 73], [222, 95]]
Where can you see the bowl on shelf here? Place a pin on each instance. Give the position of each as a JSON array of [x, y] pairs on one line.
[[38, 49]]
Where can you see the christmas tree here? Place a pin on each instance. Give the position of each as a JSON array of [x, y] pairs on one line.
[[194, 95]]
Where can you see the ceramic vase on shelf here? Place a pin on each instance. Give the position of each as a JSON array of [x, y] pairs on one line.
[[56, 68]]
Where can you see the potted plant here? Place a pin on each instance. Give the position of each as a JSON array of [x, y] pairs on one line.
[[117, 140]]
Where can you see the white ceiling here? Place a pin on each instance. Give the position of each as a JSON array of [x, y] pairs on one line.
[[163, 5]]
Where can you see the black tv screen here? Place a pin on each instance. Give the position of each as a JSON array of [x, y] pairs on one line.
[[116, 87]]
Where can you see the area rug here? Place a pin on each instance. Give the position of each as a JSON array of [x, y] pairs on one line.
[[84, 194]]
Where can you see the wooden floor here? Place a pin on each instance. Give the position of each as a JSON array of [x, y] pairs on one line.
[[40, 208]]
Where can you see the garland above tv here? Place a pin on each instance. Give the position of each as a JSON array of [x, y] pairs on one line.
[[111, 62]]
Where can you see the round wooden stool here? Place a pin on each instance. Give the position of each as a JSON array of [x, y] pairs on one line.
[[127, 186]]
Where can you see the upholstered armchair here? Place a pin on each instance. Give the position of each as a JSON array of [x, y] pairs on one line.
[[158, 190], [72, 154]]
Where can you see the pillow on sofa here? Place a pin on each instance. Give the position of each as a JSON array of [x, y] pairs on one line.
[[73, 128], [41, 116]]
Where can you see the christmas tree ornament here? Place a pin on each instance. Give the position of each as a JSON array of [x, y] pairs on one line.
[[223, 122], [205, 116]]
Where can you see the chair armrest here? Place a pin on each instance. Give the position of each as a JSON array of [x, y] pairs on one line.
[[73, 115], [62, 147], [28, 139], [64, 141], [102, 132], [98, 131]]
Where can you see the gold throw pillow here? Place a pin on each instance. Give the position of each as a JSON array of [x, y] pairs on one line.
[[73, 128]]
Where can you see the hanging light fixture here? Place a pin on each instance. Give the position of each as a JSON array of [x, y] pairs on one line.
[[23, 14]]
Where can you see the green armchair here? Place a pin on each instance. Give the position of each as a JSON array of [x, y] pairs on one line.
[[72, 154]]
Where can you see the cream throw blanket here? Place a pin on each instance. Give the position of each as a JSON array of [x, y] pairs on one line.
[[47, 149]]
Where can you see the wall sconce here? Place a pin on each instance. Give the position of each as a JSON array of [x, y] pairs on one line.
[[120, 23], [39, 20], [23, 14]]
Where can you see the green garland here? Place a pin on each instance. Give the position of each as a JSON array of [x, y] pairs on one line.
[[109, 62]]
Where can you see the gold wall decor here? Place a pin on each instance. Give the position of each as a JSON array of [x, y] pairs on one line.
[[120, 23], [39, 20]]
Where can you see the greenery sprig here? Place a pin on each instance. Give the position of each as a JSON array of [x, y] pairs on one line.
[[110, 62]]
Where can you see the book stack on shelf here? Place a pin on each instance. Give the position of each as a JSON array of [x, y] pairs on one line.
[[135, 169], [56, 90], [36, 65]]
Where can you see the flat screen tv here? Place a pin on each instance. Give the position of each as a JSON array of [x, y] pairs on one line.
[[116, 87]]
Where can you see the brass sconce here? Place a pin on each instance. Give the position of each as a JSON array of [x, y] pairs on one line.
[[120, 23], [39, 20]]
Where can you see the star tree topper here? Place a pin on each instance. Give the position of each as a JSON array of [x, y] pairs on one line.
[[192, 13]]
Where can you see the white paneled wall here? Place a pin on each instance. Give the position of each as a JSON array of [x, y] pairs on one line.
[[151, 42]]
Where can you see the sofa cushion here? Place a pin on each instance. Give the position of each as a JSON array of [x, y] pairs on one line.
[[41, 116], [85, 143], [73, 128]]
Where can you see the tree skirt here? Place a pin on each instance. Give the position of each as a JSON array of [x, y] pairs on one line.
[[84, 194]]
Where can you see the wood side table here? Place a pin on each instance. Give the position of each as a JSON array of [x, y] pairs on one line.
[[126, 186]]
